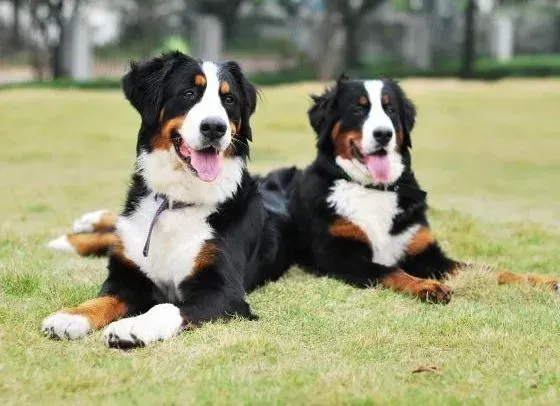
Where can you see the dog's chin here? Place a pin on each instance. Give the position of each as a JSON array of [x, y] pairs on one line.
[[205, 163]]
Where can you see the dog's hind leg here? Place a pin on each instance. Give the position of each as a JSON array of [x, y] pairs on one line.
[[510, 278], [85, 244]]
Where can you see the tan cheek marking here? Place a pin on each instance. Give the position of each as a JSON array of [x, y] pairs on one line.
[[342, 141], [400, 138], [100, 311], [92, 243], [343, 228], [420, 241], [200, 80], [225, 88], [162, 140], [206, 257]]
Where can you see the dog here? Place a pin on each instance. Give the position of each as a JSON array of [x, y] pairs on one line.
[[358, 209], [195, 235], [358, 212]]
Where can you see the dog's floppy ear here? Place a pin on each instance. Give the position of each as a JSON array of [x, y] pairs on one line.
[[321, 106], [407, 115], [143, 85], [249, 102]]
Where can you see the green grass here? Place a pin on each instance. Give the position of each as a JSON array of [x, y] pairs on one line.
[[488, 155]]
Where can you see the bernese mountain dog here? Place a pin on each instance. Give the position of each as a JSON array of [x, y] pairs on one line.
[[358, 212], [358, 208], [194, 235]]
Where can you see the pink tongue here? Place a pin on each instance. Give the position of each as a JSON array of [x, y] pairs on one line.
[[378, 167], [207, 165]]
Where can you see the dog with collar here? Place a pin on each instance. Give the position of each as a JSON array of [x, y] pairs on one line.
[[359, 211], [194, 235]]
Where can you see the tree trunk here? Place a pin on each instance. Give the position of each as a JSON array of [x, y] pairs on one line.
[[352, 48], [327, 57], [16, 27], [469, 41]]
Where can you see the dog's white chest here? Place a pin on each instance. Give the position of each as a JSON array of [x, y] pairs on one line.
[[373, 211], [177, 238]]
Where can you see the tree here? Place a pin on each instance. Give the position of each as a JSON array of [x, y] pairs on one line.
[[224, 10], [52, 19], [16, 40], [469, 41], [353, 13]]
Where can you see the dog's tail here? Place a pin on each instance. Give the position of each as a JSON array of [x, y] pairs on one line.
[[276, 189], [93, 235]]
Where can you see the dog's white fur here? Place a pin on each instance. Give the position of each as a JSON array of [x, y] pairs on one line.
[[373, 211], [161, 322], [66, 326], [85, 223]]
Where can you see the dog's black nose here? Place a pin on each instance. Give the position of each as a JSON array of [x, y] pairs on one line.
[[382, 136], [213, 128]]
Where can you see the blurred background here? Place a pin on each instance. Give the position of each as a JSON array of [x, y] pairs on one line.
[[279, 41]]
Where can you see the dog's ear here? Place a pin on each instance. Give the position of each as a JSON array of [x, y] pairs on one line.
[[320, 116], [407, 115], [321, 107], [249, 102], [143, 85]]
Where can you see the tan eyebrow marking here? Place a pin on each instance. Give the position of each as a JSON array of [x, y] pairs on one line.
[[199, 80], [363, 100], [385, 99], [225, 88]]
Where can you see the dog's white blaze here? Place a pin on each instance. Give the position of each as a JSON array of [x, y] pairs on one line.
[[373, 211], [376, 119], [161, 322], [210, 105]]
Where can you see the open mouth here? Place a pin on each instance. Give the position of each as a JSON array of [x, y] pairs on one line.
[[377, 163], [357, 153], [204, 163]]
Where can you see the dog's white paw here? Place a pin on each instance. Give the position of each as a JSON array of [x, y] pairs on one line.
[[61, 244], [159, 323], [65, 326], [86, 223]]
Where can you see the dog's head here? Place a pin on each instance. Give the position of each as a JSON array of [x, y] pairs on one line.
[[194, 114], [365, 126]]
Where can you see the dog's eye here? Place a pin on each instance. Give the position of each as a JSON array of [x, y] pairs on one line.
[[189, 94], [389, 109], [358, 110], [228, 99]]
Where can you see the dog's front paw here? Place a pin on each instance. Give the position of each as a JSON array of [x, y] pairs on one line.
[[432, 291], [92, 221], [65, 326], [159, 323]]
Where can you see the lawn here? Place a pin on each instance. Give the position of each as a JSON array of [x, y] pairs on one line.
[[487, 154]]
